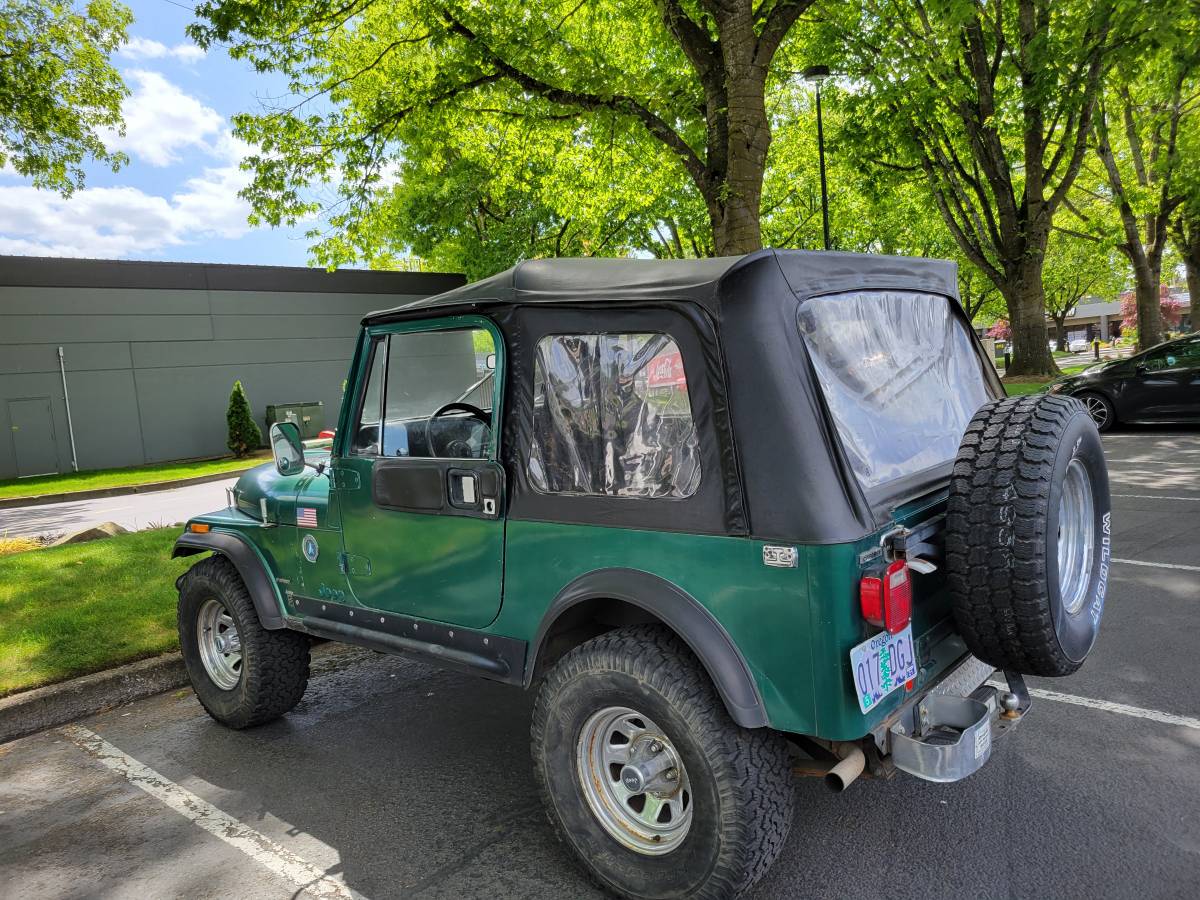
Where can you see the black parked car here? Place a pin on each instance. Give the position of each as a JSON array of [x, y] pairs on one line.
[[1161, 384]]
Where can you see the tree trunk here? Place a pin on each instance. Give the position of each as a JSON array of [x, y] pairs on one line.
[[1060, 325], [734, 211], [735, 195], [1192, 264], [1026, 298], [1149, 310], [1187, 242]]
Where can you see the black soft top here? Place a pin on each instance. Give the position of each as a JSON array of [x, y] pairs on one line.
[[774, 465], [621, 281]]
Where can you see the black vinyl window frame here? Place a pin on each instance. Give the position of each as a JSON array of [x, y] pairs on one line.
[[715, 508]]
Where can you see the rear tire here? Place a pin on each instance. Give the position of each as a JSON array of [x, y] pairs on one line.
[[643, 682], [1028, 534], [243, 674]]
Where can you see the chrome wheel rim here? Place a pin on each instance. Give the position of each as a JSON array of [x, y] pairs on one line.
[[220, 644], [634, 781], [1097, 409], [1076, 533]]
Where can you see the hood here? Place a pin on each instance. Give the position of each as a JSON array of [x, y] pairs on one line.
[[280, 491]]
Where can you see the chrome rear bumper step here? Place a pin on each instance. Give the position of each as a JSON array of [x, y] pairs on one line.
[[947, 733]]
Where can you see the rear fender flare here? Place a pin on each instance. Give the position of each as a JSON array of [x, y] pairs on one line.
[[680, 612], [250, 565]]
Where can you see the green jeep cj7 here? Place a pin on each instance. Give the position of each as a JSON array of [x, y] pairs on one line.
[[712, 511]]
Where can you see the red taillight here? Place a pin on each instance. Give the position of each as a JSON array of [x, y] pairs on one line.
[[870, 595], [887, 602], [327, 433]]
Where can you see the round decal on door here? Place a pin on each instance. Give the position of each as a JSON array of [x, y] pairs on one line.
[[310, 548]]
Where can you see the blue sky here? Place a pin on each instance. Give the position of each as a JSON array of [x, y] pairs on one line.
[[177, 197]]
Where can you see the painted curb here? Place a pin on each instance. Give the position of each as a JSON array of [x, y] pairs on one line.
[[148, 487], [56, 704]]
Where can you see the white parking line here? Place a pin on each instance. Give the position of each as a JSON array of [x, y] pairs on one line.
[[309, 878], [1123, 709], [1138, 562], [1154, 497]]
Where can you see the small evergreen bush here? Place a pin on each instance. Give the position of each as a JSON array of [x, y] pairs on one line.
[[244, 434]]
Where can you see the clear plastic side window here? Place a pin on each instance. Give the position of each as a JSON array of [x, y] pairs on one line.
[[900, 376], [612, 417]]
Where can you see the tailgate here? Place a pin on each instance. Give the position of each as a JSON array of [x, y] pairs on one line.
[[915, 534]]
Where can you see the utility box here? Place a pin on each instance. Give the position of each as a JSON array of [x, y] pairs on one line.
[[308, 417]]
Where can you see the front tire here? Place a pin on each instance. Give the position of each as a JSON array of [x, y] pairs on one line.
[[647, 779], [242, 673], [1101, 410]]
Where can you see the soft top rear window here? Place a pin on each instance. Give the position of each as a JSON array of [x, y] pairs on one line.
[[900, 376]]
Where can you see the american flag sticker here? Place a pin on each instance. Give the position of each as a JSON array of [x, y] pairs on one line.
[[306, 517]]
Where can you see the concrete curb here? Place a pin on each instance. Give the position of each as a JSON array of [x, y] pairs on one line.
[[56, 704], [149, 487]]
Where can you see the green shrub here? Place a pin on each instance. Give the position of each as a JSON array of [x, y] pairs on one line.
[[244, 434]]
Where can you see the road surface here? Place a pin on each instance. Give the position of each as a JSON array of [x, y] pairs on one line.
[[132, 511]]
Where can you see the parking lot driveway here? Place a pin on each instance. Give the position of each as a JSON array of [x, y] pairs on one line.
[[393, 779]]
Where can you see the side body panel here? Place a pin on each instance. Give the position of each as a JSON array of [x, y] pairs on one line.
[[764, 610]]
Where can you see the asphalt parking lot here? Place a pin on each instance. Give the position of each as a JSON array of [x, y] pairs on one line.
[[392, 779]]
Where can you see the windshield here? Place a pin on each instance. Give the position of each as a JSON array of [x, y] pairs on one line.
[[900, 376]]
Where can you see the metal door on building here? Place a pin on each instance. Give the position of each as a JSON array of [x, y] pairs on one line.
[[32, 428]]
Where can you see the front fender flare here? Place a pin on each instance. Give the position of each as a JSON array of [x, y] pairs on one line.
[[680, 612], [250, 565]]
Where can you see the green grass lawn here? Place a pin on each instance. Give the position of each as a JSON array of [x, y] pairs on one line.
[[1020, 388], [106, 478], [77, 609]]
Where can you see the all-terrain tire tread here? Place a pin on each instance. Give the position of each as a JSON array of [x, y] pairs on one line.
[[274, 663], [753, 767], [996, 544]]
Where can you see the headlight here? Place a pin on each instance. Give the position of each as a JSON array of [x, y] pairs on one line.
[[1056, 387]]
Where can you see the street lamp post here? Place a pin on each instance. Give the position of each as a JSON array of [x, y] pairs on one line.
[[816, 75]]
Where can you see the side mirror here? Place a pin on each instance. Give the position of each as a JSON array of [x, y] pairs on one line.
[[489, 362], [1140, 369], [287, 448]]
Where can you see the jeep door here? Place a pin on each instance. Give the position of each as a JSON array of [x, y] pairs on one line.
[[418, 484]]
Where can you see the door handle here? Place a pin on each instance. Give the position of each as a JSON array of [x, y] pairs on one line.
[[467, 486]]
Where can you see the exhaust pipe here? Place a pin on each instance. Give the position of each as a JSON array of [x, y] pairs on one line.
[[851, 766]]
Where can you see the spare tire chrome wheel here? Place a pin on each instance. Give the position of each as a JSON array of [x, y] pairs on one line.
[[1076, 536]]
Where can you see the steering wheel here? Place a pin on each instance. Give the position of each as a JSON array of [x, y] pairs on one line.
[[456, 449]]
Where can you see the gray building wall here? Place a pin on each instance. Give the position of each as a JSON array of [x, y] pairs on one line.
[[152, 350]]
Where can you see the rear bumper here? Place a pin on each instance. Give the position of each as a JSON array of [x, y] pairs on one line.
[[947, 733]]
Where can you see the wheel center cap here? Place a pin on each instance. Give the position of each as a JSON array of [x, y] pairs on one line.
[[632, 778]]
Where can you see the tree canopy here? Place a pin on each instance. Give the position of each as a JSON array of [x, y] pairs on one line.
[[477, 134], [690, 77], [58, 91]]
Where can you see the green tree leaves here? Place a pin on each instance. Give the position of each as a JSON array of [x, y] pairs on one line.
[[57, 88]]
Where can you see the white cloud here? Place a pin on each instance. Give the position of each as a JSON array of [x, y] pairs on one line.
[[125, 221], [161, 120], [145, 48]]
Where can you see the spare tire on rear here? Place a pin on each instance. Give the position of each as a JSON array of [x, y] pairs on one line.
[[1028, 534]]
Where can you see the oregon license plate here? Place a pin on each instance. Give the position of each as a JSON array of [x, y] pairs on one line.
[[881, 664]]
